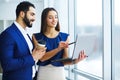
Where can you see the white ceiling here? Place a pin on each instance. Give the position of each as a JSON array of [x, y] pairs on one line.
[[16, 1]]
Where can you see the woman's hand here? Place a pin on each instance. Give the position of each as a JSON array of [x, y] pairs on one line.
[[62, 45], [82, 56]]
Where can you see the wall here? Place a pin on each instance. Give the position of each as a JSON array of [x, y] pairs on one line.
[[9, 14]]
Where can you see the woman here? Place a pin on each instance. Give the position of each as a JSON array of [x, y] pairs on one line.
[[57, 47]]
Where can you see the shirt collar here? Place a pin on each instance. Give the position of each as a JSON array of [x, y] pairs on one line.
[[22, 30]]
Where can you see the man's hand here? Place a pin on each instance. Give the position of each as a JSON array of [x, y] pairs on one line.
[[38, 53]]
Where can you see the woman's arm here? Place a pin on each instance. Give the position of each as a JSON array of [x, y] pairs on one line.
[[53, 52]]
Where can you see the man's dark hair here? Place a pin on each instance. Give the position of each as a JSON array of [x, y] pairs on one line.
[[23, 6]]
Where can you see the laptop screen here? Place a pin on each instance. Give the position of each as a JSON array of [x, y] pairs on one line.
[[86, 42]]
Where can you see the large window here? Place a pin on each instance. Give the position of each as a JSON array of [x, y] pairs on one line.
[[116, 39], [89, 21]]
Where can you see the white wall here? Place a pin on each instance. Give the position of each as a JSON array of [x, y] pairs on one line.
[[8, 13]]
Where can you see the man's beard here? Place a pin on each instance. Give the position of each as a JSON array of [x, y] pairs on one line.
[[27, 22]]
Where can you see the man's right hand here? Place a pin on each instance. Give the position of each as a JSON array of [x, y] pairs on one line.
[[38, 53]]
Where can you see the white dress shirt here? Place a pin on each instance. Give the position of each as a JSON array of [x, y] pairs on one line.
[[30, 45]]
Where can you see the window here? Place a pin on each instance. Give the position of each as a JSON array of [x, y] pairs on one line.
[[89, 20], [116, 39]]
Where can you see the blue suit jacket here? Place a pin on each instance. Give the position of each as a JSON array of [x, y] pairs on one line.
[[15, 57]]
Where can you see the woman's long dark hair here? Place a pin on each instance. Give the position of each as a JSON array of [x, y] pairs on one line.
[[44, 20]]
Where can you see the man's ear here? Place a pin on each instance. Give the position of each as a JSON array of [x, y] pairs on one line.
[[22, 14]]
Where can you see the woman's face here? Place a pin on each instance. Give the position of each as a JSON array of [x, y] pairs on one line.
[[52, 19]]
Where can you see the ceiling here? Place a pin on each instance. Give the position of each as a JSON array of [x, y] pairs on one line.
[[14, 1]]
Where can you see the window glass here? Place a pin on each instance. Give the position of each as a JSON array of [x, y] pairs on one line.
[[89, 21], [116, 40]]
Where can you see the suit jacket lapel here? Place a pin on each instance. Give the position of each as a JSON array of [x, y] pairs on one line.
[[20, 35]]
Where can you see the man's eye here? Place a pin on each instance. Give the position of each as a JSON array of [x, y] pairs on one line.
[[56, 17], [32, 14]]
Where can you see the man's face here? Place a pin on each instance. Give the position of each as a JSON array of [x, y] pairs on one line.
[[29, 17]]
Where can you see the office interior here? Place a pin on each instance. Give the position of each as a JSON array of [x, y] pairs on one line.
[[98, 17]]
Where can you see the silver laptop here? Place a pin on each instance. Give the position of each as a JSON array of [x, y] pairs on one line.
[[86, 42]]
